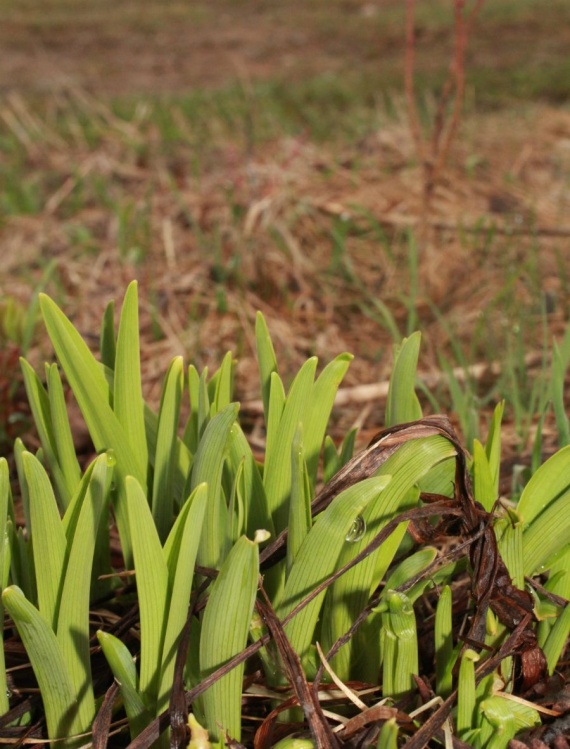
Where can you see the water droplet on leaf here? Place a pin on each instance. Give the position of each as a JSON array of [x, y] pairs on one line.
[[111, 459], [357, 530]]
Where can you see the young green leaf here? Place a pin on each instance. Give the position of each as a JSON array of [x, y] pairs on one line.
[[152, 584], [221, 385], [443, 634], [225, 627], [348, 595], [388, 738], [41, 410], [317, 558], [506, 718], [207, 467], [466, 693], [300, 502], [545, 486], [493, 446], [123, 667], [400, 661], [402, 404], [49, 543], [128, 403], [66, 456], [255, 504], [557, 639], [266, 359], [316, 418], [483, 479], [73, 617], [5, 505], [166, 457], [91, 389], [509, 534], [56, 687], [277, 469], [180, 552], [559, 365], [552, 524], [107, 340]]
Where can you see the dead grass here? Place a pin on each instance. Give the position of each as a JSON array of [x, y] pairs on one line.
[[309, 234], [241, 201]]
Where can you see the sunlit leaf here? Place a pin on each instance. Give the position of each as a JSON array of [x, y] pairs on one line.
[[73, 617], [317, 558], [63, 438], [277, 469], [552, 524], [56, 687], [49, 541], [225, 627], [443, 636], [402, 404], [123, 667], [180, 553], [41, 410], [152, 584], [5, 504], [166, 456], [128, 403], [207, 467], [265, 357], [548, 483]]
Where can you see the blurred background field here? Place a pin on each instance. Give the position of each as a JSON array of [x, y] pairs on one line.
[[235, 156]]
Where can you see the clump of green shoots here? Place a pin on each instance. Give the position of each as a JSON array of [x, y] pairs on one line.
[[241, 568]]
